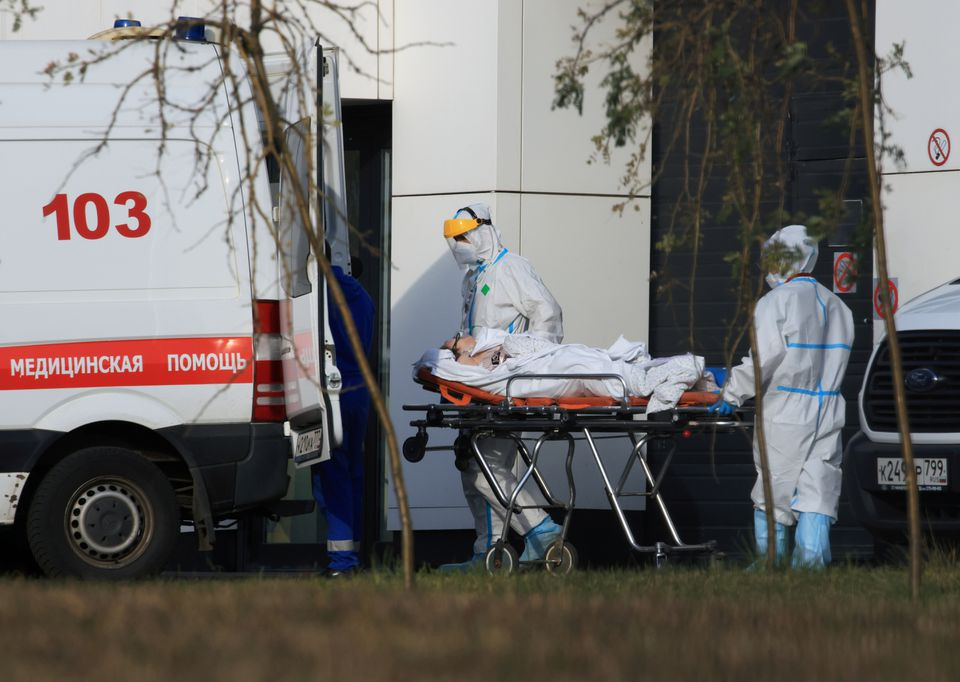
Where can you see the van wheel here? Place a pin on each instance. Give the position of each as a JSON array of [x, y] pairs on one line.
[[104, 513]]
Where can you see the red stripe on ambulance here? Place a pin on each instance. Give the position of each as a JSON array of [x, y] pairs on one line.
[[134, 362]]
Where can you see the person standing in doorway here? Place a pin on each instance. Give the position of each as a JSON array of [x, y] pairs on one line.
[[338, 482]]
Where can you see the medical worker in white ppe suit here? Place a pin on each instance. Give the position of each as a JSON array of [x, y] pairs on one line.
[[500, 291], [804, 338]]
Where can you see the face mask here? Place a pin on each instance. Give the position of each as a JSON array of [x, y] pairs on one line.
[[482, 239], [465, 254]]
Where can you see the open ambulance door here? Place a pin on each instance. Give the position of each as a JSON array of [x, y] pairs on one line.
[[312, 381]]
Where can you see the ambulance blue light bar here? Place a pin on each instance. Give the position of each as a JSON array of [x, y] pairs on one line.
[[125, 23], [191, 28]]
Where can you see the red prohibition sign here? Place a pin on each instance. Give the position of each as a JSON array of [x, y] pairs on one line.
[[894, 298], [938, 147], [845, 273]]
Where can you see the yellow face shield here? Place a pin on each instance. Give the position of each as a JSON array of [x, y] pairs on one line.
[[457, 226]]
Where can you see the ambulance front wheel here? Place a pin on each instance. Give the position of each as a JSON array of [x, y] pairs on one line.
[[103, 513]]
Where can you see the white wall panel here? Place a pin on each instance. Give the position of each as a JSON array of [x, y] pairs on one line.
[[557, 143], [444, 113], [507, 219], [386, 43], [509, 94], [927, 101], [595, 262]]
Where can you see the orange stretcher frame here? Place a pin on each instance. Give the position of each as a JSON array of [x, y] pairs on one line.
[[462, 394]]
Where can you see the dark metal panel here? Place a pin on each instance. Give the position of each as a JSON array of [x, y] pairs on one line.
[[709, 494]]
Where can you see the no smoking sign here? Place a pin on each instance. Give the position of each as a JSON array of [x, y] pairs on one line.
[[894, 289], [844, 273], [938, 147]]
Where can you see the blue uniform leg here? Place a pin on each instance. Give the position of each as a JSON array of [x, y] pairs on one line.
[[356, 472], [341, 481], [334, 477]]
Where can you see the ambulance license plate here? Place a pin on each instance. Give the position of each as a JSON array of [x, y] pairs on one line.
[[931, 472], [307, 446]]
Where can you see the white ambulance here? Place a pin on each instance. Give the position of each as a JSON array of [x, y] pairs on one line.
[[160, 340]]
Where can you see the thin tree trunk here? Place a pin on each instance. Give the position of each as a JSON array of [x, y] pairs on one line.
[[866, 93], [762, 445]]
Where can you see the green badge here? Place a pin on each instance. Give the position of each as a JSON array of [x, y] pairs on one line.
[[485, 290]]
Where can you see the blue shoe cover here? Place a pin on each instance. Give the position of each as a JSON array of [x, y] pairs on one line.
[[760, 535], [812, 546], [474, 562], [538, 539]]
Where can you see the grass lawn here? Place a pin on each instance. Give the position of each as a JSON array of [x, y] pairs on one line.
[[848, 623]]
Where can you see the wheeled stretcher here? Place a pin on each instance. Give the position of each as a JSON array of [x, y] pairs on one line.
[[476, 415]]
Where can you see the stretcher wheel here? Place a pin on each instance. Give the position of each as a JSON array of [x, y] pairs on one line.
[[561, 558], [501, 560], [414, 448]]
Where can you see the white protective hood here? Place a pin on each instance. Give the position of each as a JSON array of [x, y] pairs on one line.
[[794, 239]]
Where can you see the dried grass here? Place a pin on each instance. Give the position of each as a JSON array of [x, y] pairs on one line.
[[847, 623]]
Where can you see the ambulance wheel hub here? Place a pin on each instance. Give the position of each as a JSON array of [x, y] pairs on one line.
[[106, 519]]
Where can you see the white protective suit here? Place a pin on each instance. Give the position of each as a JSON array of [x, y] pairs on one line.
[[804, 336], [501, 291]]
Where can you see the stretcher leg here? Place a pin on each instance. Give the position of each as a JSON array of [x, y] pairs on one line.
[[571, 487], [522, 482], [561, 558], [487, 473], [532, 469], [628, 467], [494, 484], [661, 503], [660, 550], [642, 457], [541, 483]]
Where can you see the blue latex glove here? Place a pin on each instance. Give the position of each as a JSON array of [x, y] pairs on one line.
[[722, 408]]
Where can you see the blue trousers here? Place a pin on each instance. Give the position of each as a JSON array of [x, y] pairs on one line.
[[338, 482]]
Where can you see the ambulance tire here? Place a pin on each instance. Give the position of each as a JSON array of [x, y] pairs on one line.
[[103, 513]]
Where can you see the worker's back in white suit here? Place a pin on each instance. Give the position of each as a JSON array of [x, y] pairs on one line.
[[804, 337]]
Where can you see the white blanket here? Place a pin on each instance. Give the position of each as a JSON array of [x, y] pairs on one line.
[[663, 380]]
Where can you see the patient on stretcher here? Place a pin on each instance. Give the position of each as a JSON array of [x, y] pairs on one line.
[[488, 360]]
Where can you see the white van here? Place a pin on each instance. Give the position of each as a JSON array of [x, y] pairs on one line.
[[156, 335], [919, 198]]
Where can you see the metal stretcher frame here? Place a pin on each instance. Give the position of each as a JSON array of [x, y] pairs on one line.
[[477, 414]]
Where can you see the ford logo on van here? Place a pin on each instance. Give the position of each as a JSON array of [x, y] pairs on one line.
[[923, 380]]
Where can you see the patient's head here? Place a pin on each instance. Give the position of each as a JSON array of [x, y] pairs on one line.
[[460, 345]]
